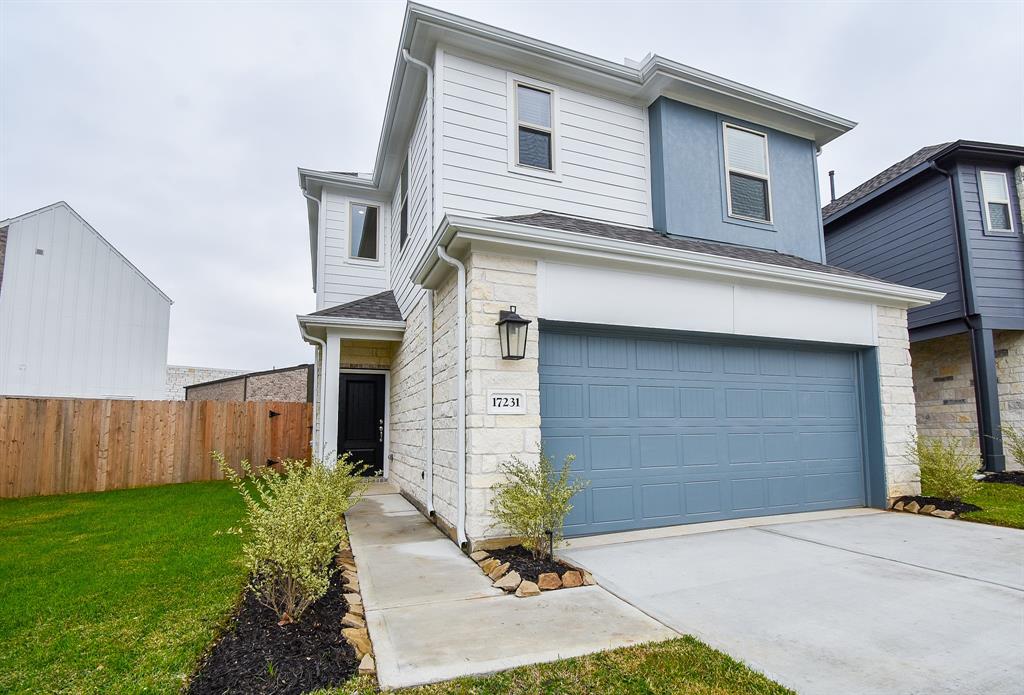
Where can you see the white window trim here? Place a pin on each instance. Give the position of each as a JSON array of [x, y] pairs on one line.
[[744, 172], [380, 237], [512, 116], [985, 201]]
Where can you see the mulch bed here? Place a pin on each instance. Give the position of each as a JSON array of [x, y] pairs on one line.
[[1012, 477], [255, 655], [948, 505], [522, 561]]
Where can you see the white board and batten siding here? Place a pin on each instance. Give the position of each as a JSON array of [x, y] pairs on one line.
[[603, 159], [77, 319]]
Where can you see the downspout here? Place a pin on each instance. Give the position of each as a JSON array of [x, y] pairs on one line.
[[428, 428], [460, 453], [320, 382]]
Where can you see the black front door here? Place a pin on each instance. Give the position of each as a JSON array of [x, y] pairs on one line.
[[361, 420]]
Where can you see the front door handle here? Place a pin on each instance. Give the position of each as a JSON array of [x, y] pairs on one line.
[[380, 431]]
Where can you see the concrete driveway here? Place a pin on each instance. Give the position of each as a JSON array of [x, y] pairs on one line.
[[870, 603]]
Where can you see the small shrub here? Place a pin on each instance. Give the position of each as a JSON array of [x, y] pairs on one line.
[[534, 500], [947, 467], [293, 527], [1013, 441]]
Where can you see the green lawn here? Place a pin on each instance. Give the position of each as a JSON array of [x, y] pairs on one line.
[[115, 591], [682, 666], [1002, 504]]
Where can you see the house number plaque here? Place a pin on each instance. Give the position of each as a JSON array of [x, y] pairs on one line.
[[506, 403]]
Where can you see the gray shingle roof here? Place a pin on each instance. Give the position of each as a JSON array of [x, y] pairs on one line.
[[654, 238], [880, 179], [379, 306]]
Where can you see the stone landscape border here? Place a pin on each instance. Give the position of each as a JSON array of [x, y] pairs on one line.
[[354, 623], [913, 507], [510, 581]]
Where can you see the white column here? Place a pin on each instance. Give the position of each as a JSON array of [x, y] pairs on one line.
[[331, 373]]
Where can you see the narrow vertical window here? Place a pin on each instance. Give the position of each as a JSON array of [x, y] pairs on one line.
[[534, 131], [403, 198], [363, 239], [746, 170], [995, 190]]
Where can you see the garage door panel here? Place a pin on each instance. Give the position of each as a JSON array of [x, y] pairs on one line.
[[674, 431]]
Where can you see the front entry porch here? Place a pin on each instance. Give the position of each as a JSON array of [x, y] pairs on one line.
[[355, 344]]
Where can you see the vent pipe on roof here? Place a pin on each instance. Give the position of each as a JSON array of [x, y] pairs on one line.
[[832, 183]]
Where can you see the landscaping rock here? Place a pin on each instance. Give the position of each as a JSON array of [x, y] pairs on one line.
[[367, 667], [356, 609], [351, 585], [359, 638], [926, 509], [353, 620], [571, 579], [348, 567], [588, 579], [479, 556], [350, 575], [510, 582], [898, 507], [498, 571], [913, 507], [549, 581], [353, 598], [527, 588], [489, 564], [944, 513]]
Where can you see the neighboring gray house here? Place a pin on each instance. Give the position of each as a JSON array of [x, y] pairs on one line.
[[660, 228], [949, 218], [293, 384]]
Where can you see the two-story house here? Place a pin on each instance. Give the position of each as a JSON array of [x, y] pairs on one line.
[[660, 229], [948, 218]]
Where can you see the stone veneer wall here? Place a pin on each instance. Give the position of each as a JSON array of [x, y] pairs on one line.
[[494, 283], [179, 376], [407, 406], [944, 383], [366, 354], [899, 424], [289, 385], [445, 399]]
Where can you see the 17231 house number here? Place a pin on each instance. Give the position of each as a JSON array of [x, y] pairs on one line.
[[506, 402]]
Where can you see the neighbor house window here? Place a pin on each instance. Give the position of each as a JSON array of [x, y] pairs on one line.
[[534, 130], [403, 208], [363, 241], [996, 193], [746, 171]]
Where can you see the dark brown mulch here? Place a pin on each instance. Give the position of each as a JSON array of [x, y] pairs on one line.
[[255, 655], [948, 505], [1011, 477], [520, 560]]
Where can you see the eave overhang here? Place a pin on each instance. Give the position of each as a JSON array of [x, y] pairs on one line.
[[351, 328], [458, 233]]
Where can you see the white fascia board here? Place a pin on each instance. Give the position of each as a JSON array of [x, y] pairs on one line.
[[540, 241], [353, 328]]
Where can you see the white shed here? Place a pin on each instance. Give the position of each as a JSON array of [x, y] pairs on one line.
[[77, 319]]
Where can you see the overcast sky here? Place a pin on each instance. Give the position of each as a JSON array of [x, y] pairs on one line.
[[176, 128]]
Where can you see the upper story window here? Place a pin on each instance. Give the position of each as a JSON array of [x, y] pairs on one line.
[[363, 238], [996, 196], [403, 200], [748, 189], [534, 127]]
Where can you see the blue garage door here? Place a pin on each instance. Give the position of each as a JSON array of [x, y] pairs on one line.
[[678, 430]]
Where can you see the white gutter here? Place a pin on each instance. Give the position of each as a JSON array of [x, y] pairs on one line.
[[428, 425], [320, 384], [460, 453]]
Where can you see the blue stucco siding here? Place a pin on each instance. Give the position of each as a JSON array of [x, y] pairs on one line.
[[997, 260], [688, 183], [909, 239], [672, 428]]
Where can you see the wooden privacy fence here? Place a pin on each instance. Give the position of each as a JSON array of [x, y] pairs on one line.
[[52, 446]]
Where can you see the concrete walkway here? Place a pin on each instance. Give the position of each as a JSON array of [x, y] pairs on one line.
[[875, 603], [433, 615]]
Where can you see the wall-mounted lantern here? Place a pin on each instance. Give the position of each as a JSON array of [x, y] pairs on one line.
[[512, 330]]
